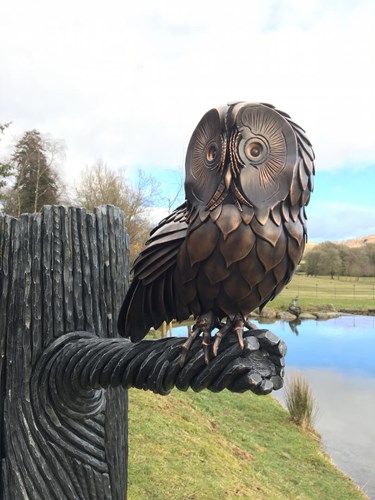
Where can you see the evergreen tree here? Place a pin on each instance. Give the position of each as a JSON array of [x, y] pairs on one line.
[[35, 182], [5, 168]]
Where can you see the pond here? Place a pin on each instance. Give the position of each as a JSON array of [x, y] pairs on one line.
[[337, 357]]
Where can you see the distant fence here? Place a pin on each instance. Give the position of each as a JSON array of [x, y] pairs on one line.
[[325, 289]]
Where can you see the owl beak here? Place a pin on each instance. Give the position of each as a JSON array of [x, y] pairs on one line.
[[228, 178]]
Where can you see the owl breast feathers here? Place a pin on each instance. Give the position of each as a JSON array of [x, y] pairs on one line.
[[236, 241]]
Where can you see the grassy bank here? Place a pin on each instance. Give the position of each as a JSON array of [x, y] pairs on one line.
[[206, 446], [314, 292]]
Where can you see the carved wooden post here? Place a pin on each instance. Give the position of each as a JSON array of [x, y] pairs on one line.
[[60, 270]]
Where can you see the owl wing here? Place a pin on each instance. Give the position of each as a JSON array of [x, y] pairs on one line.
[[151, 299]]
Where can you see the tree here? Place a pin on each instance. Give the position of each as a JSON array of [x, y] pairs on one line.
[[99, 185], [171, 200], [341, 260], [36, 181], [330, 261], [346, 256], [324, 260], [370, 251], [312, 262], [5, 168]]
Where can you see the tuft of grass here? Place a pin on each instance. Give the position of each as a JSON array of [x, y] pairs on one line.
[[300, 402]]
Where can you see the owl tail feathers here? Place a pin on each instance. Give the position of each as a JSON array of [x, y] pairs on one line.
[[131, 321]]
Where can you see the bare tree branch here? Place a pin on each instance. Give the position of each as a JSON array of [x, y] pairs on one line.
[[100, 185]]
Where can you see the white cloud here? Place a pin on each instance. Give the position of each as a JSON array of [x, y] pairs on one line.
[[128, 82], [329, 220]]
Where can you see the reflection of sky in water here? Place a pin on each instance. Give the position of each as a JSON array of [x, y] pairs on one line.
[[337, 357], [344, 343], [345, 419]]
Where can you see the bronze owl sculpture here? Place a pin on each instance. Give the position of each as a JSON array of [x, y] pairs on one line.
[[238, 238]]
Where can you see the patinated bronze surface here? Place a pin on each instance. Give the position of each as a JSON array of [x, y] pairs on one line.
[[236, 241]]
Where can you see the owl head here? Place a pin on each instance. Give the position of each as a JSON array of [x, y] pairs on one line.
[[251, 152]]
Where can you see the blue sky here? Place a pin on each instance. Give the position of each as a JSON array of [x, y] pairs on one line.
[[127, 82], [357, 185], [343, 204]]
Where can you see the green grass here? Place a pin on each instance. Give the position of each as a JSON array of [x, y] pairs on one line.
[[300, 402], [208, 446], [315, 292]]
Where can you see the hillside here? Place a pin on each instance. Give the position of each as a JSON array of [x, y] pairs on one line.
[[205, 446], [310, 245], [357, 242], [353, 243]]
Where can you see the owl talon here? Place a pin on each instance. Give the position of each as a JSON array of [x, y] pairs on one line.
[[206, 350], [238, 328], [235, 324], [205, 324], [219, 336], [206, 344], [186, 345]]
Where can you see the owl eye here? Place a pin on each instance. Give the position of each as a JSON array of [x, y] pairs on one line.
[[254, 150], [212, 153]]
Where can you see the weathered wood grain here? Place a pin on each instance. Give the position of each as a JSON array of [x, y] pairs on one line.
[[61, 270]]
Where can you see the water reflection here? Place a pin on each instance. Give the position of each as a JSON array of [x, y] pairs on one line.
[[345, 420], [346, 344], [293, 326], [337, 357]]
